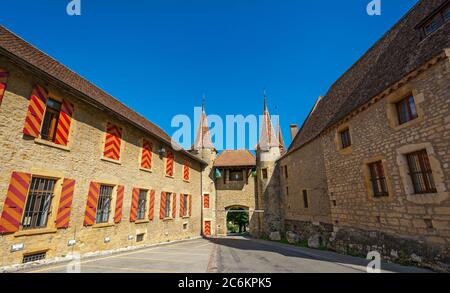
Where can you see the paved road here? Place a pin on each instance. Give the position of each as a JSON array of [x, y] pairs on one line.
[[224, 255]]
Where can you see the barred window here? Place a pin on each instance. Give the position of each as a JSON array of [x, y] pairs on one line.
[[50, 124], [345, 138], [378, 179], [420, 172], [142, 203], [38, 204], [104, 204], [168, 207], [406, 110]]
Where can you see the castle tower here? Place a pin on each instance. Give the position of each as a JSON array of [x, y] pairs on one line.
[[204, 149], [268, 151]]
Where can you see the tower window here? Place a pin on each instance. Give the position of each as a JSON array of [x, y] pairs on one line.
[[236, 175], [345, 138], [264, 173]]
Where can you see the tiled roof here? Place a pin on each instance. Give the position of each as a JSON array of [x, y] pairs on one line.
[[235, 158], [399, 52], [203, 135], [21, 51]]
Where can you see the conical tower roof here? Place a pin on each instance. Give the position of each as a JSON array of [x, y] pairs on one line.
[[203, 135], [267, 136]]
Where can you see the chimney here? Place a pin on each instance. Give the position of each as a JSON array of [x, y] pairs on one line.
[[294, 130]]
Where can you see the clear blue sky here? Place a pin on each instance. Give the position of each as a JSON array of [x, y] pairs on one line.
[[160, 56]]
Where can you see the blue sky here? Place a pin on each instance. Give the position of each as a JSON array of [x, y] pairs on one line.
[[160, 56]]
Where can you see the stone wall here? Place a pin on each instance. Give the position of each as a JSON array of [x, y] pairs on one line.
[[305, 171], [81, 161], [235, 194], [423, 220]]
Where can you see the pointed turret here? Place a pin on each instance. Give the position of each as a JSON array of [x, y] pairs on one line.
[[203, 135], [267, 137], [280, 139]]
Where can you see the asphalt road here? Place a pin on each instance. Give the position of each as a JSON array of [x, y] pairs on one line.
[[223, 255]]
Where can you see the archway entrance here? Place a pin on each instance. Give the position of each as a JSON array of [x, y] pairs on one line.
[[238, 220]]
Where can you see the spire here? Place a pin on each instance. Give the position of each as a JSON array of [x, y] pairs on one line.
[[203, 135], [267, 138], [280, 139]]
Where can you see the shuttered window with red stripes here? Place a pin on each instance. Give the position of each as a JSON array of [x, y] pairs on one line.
[[206, 201], [186, 171], [169, 164], [36, 111], [91, 205], [64, 122], [3, 80], [15, 202], [119, 204], [151, 208], [182, 202], [65, 204], [174, 205], [52, 123], [146, 158], [190, 205], [134, 204], [113, 142]]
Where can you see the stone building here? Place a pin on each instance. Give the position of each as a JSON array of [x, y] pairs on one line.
[[81, 172], [370, 167]]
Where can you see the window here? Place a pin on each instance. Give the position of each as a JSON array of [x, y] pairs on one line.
[[51, 117], [264, 173], [186, 171], [142, 203], [33, 257], [236, 175], [406, 110], [205, 201], [169, 164], [38, 203], [113, 142], [140, 237], [286, 174], [378, 179], [186, 205], [146, 156], [167, 206], [104, 204], [437, 20], [420, 172], [287, 190], [345, 138], [305, 199]]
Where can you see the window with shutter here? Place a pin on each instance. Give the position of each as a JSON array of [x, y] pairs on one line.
[[113, 142], [147, 152], [169, 164], [206, 201], [142, 204], [186, 171], [104, 204], [3, 80], [38, 205], [65, 204]]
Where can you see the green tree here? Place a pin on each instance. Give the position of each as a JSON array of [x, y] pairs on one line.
[[239, 217]]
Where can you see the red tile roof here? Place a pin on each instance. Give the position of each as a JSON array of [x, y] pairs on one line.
[[235, 158], [399, 52], [32, 58]]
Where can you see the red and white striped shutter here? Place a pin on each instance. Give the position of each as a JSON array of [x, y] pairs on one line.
[[64, 122], [162, 206], [15, 201], [113, 142], [3, 80], [119, 204], [206, 201], [186, 171], [181, 205], [36, 110], [174, 206], [134, 205], [151, 209], [190, 205], [147, 152], [91, 205], [65, 204], [169, 164]]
